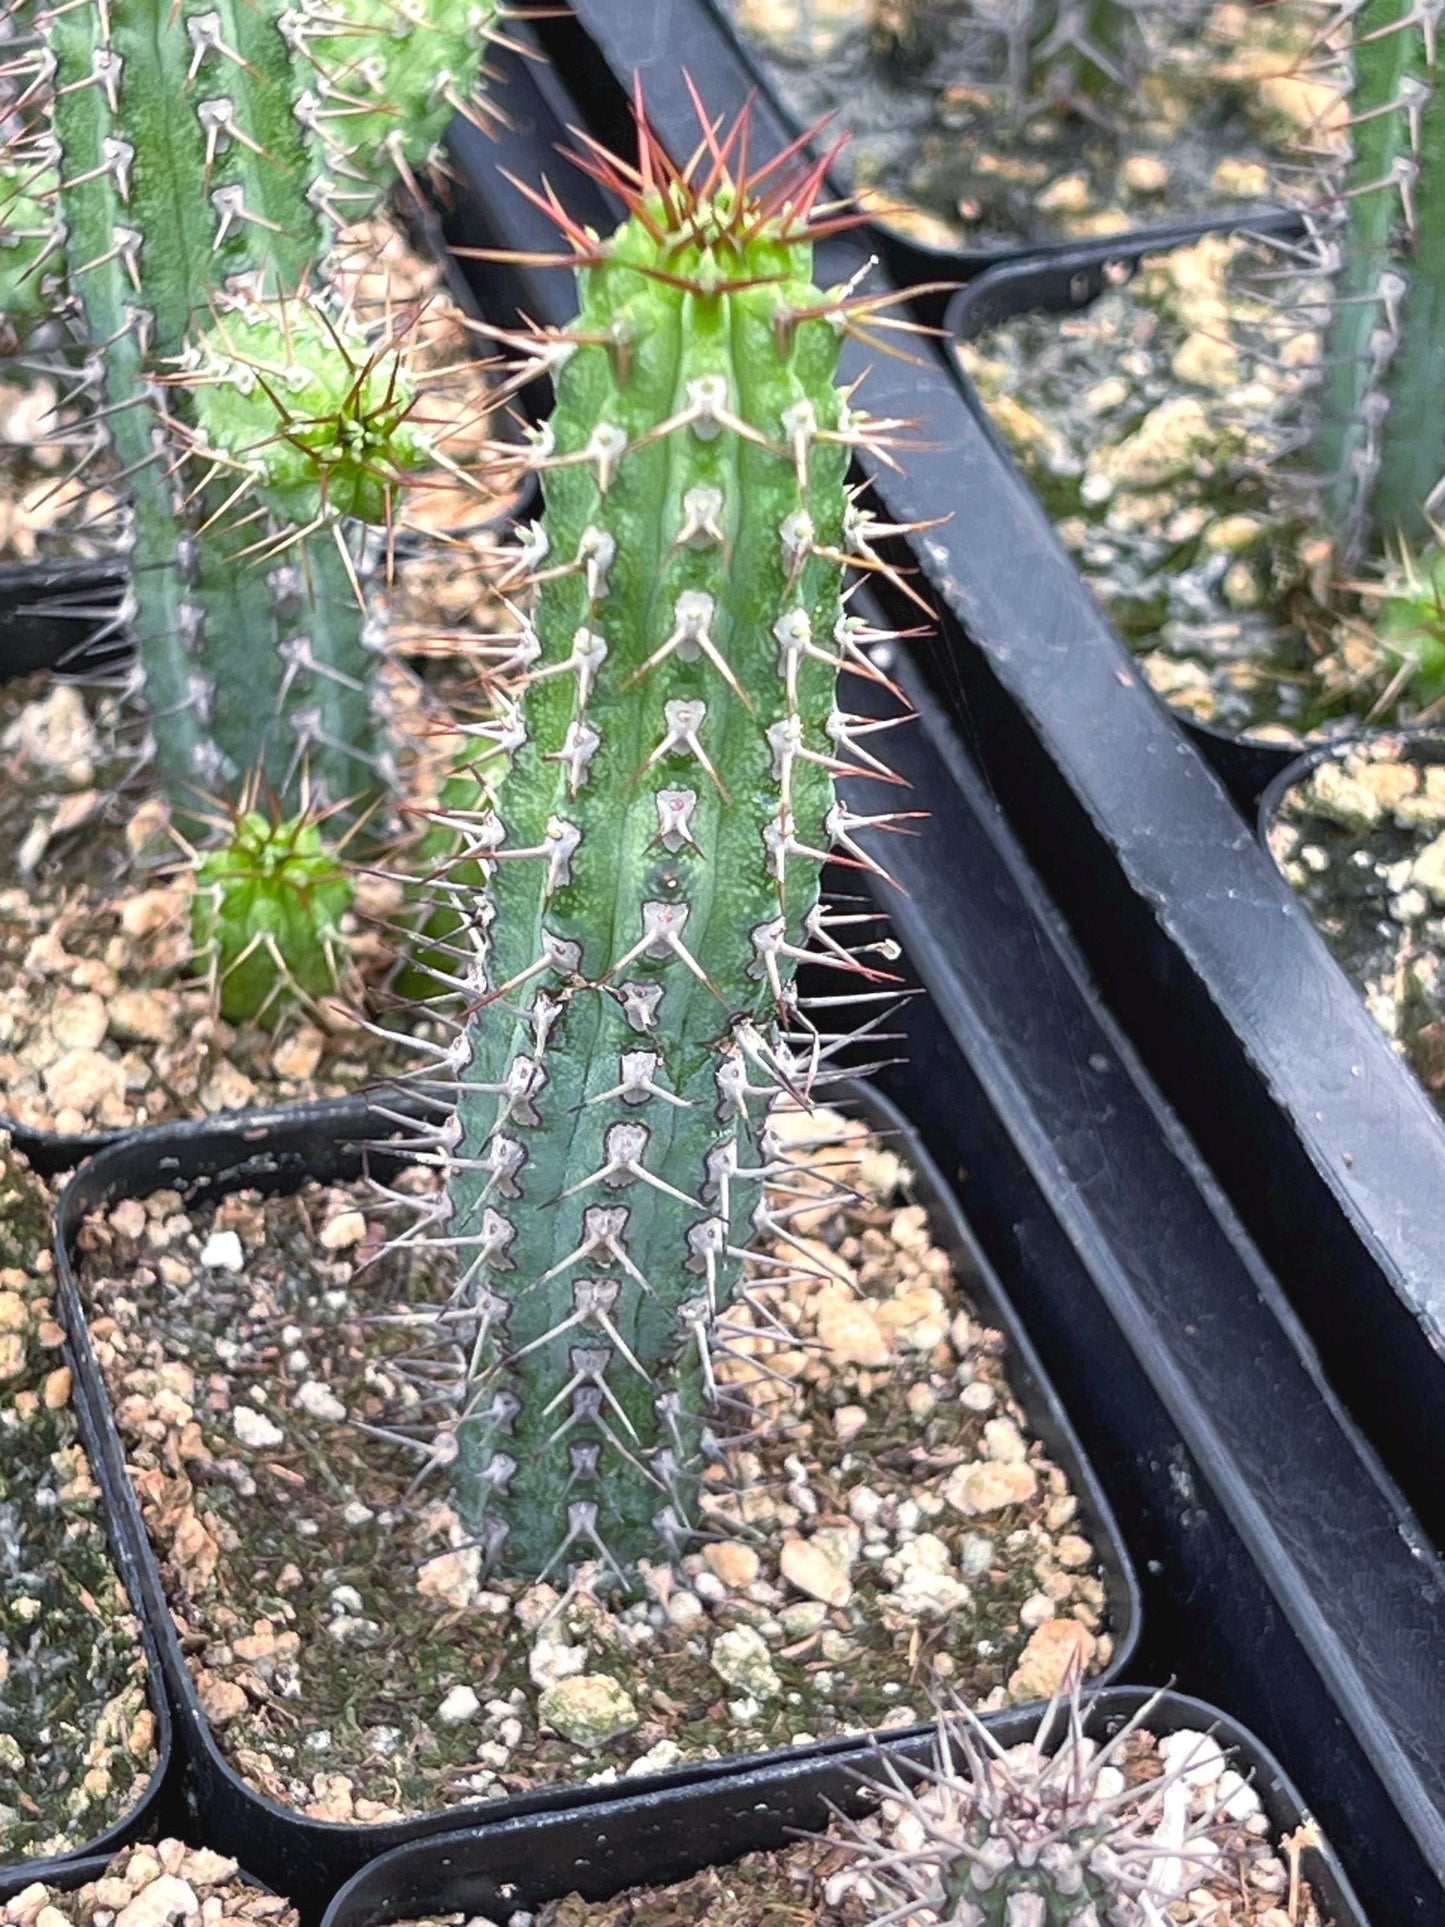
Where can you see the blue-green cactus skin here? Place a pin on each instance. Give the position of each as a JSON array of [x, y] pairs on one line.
[[655, 856], [1381, 441]]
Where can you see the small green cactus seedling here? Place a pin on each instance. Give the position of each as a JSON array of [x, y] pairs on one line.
[[267, 914], [320, 422], [1047, 1834], [653, 857]]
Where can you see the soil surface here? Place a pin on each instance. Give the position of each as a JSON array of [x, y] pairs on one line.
[[165, 1885], [954, 152], [1232, 1875], [77, 1736], [1362, 840], [884, 1532], [1155, 427]]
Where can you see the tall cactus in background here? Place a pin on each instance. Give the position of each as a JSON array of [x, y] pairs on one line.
[[1061, 48], [195, 161], [654, 854], [1380, 446]]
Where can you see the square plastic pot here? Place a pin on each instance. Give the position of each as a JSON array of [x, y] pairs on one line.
[[1327, 1147], [279, 1151]]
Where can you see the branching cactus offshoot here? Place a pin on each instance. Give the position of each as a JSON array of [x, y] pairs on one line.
[[654, 855], [1047, 1834], [1059, 49], [1380, 447], [267, 915], [181, 167]]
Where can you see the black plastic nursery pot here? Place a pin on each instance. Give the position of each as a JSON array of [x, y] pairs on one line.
[[1282, 1575], [278, 1151], [652, 1839], [53, 615], [1326, 1145]]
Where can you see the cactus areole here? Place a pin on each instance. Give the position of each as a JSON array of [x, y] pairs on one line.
[[654, 857], [179, 167]]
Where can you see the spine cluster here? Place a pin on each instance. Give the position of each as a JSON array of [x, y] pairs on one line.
[[1052, 1833], [653, 862], [193, 162]]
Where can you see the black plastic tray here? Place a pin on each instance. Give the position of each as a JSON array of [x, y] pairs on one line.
[[278, 1151], [1325, 1143], [651, 1839], [1283, 1577]]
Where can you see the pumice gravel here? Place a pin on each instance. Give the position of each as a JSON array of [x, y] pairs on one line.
[[882, 1529]]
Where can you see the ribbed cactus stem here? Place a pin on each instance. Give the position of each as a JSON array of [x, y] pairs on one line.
[[655, 855], [1381, 440], [205, 153]]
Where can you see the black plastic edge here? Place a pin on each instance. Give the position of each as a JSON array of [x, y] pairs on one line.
[[280, 1150], [653, 1839], [59, 616], [1331, 1149], [157, 1802]]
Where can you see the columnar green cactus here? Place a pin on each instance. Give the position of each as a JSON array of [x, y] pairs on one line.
[[203, 152], [654, 856], [1045, 1834], [1380, 447]]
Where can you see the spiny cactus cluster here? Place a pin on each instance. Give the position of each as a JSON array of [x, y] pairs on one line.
[[174, 181], [1047, 1834], [1380, 446], [653, 858]]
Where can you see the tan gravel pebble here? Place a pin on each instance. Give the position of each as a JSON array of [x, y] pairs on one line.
[[735, 1564], [87, 1081], [221, 1699], [1056, 1650], [849, 1330], [142, 1017], [340, 1233], [815, 1569], [989, 1485]]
